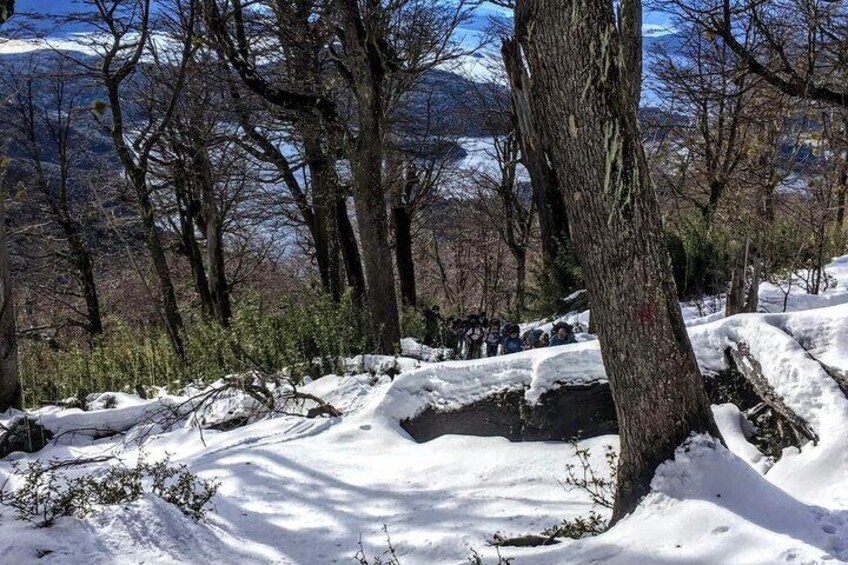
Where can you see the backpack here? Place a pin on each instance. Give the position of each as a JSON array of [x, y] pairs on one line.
[[475, 334], [533, 337]]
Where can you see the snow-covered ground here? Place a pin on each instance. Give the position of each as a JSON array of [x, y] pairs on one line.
[[306, 491]]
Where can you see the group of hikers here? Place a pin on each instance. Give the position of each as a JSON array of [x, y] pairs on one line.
[[476, 334]]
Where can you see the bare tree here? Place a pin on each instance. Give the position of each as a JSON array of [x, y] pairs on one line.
[[48, 110], [379, 50], [799, 48], [126, 27]]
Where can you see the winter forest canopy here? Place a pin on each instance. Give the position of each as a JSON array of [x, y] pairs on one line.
[[423, 281]]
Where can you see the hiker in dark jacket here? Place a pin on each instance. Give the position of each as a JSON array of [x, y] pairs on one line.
[[474, 335], [512, 343], [460, 331], [563, 336], [493, 339], [449, 333]]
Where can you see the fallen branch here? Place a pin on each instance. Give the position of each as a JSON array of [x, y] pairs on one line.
[[841, 377], [750, 368]]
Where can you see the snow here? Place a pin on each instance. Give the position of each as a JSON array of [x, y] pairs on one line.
[[305, 491], [411, 348], [451, 385]]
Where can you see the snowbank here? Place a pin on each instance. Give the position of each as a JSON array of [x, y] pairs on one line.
[[449, 386]]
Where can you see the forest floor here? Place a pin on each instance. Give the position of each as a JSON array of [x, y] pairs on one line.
[[317, 491]]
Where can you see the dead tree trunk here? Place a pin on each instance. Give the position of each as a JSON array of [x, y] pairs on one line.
[[557, 253], [743, 296], [583, 102]]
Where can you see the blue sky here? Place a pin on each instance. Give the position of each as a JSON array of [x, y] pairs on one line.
[[656, 18]]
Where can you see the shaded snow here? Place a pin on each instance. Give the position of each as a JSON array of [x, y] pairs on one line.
[[304, 491]]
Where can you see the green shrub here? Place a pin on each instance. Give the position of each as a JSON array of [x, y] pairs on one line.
[[47, 493], [548, 286], [293, 337], [701, 260], [412, 323]]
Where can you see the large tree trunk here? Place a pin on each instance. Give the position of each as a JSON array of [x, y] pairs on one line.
[[170, 307], [350, 250], [403, 255], [85, 273], [218, 285], [189, 216], [585, 108], [10, 382], [373, 231], [557, 255], [212, 225], [324, 188], [368, 82], [219, 288], [402, 222]]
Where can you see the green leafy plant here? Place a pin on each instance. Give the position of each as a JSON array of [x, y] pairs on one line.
[[303, 337], [48, 493]]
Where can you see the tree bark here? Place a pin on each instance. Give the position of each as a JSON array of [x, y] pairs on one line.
[[841, 193], [520, 282], [171, 311], [743, 296], [350, 250], [403, 255], [189, 210], [10, 382], [212, 224], [583, 102], [324, 188], [402, 223], [85, 272]]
